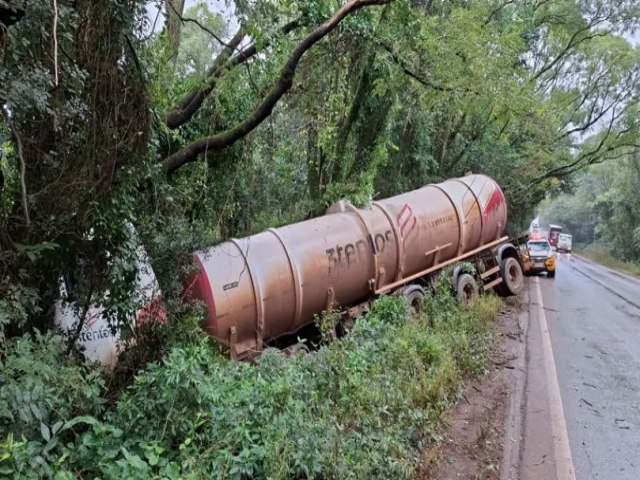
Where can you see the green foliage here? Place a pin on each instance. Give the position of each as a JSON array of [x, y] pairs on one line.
[[20, 301], [81, 124], [395, 97], [45, 399], [601, 253], [40, 385], [327, 323], [602, 208], [360, 407], [198, 47]]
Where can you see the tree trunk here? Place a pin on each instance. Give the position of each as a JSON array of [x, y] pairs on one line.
[[362, 89], [315, 163], [368, 136], [174, 10]]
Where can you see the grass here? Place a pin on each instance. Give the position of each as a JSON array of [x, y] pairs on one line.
[[363, 406], [600, 254]]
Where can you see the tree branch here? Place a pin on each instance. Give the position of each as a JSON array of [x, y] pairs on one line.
[[592, 120], [580, 161], [425, 82], [540, 4], [55, 41], [345, 126], [23, 166], [184, 19], [263, 110], [573, 42], [496, 11], [174, 20], [190, 103]]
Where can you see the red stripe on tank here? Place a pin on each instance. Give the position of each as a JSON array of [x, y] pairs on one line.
[[495, 201], [198, 287]]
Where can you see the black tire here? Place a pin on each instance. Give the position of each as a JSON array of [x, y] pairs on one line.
[[512, 277], [467, 290], [551, 274], [415, 296]]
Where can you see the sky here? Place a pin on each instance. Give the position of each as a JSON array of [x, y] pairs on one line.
[[214, 5]]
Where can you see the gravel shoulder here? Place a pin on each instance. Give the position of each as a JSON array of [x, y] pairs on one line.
[[482, 441]]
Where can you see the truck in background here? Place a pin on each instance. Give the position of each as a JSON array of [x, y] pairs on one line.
[[565, 243], [554, 231]]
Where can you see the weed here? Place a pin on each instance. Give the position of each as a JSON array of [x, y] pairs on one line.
[[360, 407], [602, 254]]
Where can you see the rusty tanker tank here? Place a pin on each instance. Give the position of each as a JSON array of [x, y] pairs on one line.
[[270, 284]]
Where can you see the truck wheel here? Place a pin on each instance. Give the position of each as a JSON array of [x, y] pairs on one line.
[[467, 290], [551, 274], [414, 295], [512, 278]]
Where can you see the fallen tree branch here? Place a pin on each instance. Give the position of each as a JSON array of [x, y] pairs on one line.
[[264, 109]]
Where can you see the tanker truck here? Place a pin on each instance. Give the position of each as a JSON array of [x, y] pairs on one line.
[[271, 284]]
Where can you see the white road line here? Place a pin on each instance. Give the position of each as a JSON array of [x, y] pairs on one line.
[[561, 448]]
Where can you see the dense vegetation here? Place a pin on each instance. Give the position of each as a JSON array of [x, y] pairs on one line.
[[362, 407], [120, 127], [601, 209]]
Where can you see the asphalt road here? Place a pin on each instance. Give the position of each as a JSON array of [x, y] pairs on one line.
[[592, 317]]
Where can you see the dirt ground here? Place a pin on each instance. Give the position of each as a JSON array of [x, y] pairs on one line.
[[473, 446]]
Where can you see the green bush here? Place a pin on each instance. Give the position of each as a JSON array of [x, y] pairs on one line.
[[602, 254], [363, 406], [44, 395]]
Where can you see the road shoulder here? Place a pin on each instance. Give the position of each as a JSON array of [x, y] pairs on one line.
[[475, 444], [544, 449], [510, 423]]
